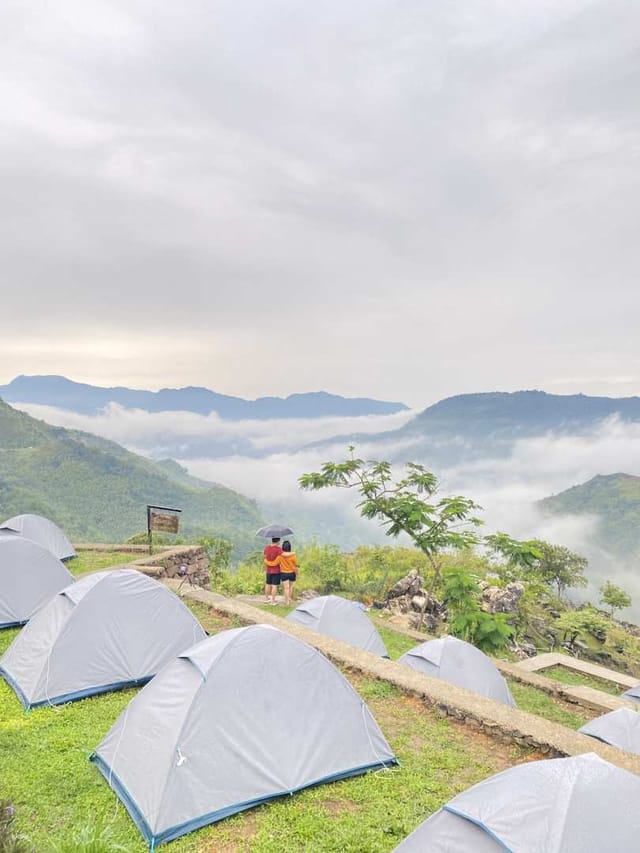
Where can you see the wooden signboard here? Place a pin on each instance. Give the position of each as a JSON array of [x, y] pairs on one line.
[[164, 519], [165, 523]]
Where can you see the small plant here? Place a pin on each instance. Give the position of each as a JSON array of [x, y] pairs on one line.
[[93, 837], [490, 632], [577, 623], [10, 842]]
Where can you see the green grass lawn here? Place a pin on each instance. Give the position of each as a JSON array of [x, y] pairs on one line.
[[570, 676], [93, 561], [543, 705], [45, 772]]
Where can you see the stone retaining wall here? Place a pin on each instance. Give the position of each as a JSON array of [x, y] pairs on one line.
[[171, 561], [507, 724], [167, 563]]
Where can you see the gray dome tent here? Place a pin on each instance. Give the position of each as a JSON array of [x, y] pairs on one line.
[[633, 693], [29, 576], [564, 805], [342, 619], [244, 717], [105, 631], [42, 531], [620, 728], [461, 664]]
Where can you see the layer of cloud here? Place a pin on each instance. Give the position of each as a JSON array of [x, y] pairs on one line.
[[507, 488], [185, 433]]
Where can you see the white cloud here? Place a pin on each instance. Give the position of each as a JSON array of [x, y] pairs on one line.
[[159, 433], [400, 200]]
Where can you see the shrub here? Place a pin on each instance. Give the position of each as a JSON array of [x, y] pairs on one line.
[[490, 632]]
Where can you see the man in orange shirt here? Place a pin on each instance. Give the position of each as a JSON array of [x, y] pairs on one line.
[[271, 554]]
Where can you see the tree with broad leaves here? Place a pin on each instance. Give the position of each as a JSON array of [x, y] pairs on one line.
[[406, 505], [517, 559]]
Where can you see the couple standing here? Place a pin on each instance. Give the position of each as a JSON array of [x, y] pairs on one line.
[[281, 566]]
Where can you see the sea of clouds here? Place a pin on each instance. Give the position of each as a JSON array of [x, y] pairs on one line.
[[271, 455]]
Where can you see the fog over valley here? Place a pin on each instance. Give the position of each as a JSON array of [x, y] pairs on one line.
[[264, 459]]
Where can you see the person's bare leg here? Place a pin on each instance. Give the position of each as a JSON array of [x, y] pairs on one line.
[[274, 590], [287, 592], [267, 591]]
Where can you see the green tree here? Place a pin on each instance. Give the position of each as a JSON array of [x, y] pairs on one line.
[[614, 597], [406, 505], [561, 567]]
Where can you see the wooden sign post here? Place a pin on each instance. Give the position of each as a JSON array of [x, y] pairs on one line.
[[161, 518]]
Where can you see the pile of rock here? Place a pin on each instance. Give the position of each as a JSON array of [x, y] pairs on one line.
[[501, 599], [410, 604]]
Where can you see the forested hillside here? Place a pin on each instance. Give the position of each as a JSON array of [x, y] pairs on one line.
[[98, 491], [615, 499]]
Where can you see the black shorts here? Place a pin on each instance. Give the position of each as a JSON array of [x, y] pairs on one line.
[[287, 576], [273, 580]]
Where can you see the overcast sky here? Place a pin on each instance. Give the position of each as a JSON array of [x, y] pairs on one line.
[[386, 198]]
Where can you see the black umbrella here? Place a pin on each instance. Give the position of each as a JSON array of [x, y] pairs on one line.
[[274, 531]]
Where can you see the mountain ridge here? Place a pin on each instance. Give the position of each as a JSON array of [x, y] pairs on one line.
[[60, 392], [468, 426]]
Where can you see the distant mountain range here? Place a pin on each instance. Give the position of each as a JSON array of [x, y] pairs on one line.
[[488, 424], [98, 492], [615, 499], [518, 413], [63, 393]]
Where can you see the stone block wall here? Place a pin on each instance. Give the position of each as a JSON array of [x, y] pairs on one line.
[[170, 561]]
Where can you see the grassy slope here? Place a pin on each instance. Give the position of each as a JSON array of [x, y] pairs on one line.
[[45, 772], [93, 561]]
